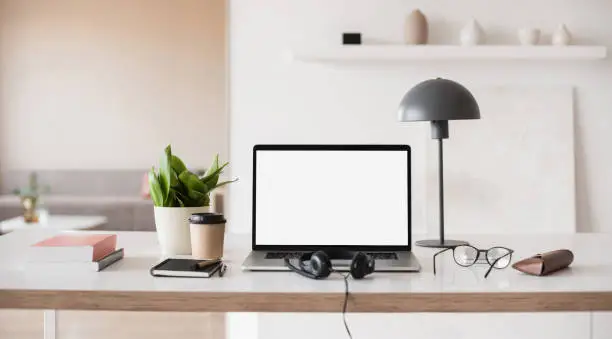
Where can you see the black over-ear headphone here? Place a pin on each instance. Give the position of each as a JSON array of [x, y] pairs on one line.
[[318, 266]]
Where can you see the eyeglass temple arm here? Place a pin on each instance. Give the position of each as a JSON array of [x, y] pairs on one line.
[[495, 262], [435, 255]]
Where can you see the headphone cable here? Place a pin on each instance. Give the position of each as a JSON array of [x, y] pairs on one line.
[[344, 306]]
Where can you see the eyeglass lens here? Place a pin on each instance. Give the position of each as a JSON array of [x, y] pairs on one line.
[[465, 255], [496, 253]]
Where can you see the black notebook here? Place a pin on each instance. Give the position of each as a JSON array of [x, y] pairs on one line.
[[183, 268]]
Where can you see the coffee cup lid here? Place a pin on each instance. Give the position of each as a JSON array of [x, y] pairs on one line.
[[207, 218]]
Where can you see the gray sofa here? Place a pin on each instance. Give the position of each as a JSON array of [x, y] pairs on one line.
[[113, 194], [123, 213]]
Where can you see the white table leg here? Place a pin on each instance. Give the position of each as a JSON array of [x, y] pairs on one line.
[[241, 325], [49, 322]]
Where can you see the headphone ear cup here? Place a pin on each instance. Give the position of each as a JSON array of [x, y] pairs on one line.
[[320, 265], [361, 265], [371, 265]]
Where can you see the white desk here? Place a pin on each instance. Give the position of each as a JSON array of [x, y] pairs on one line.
[[55, 222], [127, 285]]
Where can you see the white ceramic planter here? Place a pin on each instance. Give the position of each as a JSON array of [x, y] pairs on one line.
[[172, 225]]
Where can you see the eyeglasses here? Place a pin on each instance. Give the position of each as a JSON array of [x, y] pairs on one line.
[[467, 255]]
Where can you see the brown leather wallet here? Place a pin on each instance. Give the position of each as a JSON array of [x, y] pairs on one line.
[[545, 263]]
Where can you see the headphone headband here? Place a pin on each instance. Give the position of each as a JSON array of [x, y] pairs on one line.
[[299, 270], [317, 265]]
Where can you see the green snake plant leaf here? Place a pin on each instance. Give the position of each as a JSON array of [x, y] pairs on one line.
[[166, 169], [212, 173], [155, 188], [223, 183], [211, 179], [191, 199], [165, 172], [177, 164], [197, 197], [192, 182], [206, 201], [214, 166], [171, 199], [180, 200]]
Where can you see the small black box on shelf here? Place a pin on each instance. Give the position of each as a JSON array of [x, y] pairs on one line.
[[351, 38]]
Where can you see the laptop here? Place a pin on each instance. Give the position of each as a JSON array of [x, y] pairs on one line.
[[336, 198]]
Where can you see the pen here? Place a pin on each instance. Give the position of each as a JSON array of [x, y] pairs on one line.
[[222, 270]]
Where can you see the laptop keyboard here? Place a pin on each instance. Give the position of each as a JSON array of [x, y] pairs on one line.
[[283, 255], [383, 255], [297, 255]]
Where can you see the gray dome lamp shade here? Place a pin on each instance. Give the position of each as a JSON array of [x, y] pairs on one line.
[[439, 100]]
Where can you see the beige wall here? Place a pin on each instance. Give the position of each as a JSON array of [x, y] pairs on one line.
[[28, 324], [101, 84]]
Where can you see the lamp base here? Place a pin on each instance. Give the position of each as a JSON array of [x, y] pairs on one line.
[[436, 243]]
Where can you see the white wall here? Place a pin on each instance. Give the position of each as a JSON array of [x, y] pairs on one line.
[[107, 84], [277, 102]]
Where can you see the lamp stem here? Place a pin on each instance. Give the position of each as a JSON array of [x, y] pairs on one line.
[[441, 188], [439, 131]]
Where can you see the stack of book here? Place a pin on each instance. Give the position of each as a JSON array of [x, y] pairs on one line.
[[82, 252]]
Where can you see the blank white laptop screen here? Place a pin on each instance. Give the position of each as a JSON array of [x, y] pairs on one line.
[[332, 197]]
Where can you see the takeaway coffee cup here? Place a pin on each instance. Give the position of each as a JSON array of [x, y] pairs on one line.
[[207, 233]]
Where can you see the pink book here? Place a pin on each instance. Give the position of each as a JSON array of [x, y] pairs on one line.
[[73, 248]]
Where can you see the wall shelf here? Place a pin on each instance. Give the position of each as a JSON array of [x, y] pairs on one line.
[[377, 53]]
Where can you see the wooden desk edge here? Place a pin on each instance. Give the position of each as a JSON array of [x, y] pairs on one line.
[[306, 302]]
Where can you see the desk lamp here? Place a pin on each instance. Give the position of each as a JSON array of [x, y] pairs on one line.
[[439, 100]]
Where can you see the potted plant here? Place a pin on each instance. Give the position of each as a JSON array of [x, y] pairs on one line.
[[177, 193], [30, 199]]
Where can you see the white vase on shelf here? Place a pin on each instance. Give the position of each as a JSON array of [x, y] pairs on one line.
[[561, 36], [529, 36], [472, 34]]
